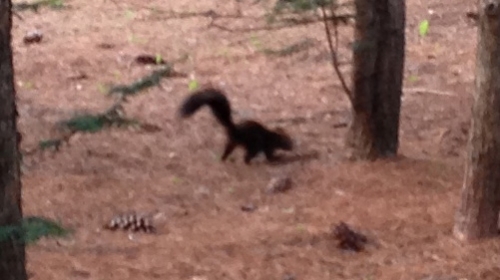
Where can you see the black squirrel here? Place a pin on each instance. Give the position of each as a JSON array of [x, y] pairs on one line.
[[252, 135]]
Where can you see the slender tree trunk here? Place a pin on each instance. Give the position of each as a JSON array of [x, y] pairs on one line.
[[477, 216], [379, 54], [12, 252]]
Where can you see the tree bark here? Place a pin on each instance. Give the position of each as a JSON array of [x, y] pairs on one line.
[[477, 216], [379, 54], [12, 252]]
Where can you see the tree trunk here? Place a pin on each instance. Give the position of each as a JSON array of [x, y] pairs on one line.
[[477, 216], [12, 252], [377, 78]]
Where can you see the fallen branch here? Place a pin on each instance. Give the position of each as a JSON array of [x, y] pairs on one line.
[[114, 115], [145, 82], [288, 50], [35, 6], [333, 52]]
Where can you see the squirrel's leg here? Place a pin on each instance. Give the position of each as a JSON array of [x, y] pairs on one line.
[[250, 154], [230, 145], [269, 154]]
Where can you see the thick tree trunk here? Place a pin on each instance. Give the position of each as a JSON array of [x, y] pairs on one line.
[[477, 216], [12, 252], [377, 79]]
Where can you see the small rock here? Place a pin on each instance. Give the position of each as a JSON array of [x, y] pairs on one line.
[[348, 239], [279, 184], [248, 207], [33, 37]]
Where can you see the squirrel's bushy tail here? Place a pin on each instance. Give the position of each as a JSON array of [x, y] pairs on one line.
[[215, 99]]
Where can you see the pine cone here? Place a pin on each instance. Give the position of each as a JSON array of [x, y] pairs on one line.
[[348, 239], [132, 222]]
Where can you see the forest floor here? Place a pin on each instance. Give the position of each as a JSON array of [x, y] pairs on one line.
[[405, 206]]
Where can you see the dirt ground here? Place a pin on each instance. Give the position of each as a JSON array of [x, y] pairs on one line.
[[405, 206]]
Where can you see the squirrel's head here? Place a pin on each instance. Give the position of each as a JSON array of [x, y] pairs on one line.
[[283, 140]]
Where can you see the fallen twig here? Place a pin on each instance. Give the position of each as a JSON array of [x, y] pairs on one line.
[[301, 119], [287, 23], [427, 90]]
